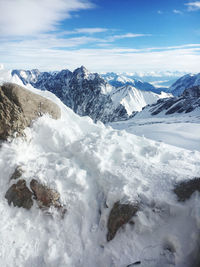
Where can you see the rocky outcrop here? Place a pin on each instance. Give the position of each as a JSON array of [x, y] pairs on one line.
[[19, 107], [19, 195], [186, 103], [185, 189], [120, 214]]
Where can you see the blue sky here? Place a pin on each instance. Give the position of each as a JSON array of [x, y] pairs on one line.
[[103, 35]]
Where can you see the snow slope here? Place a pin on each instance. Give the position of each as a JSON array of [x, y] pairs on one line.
[[93, 166], [134, 99], [181, 131]]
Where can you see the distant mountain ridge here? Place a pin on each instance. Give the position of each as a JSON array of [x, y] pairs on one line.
[[117, 80], [186, 81], [148, 81], [188, 102], [89, 94]]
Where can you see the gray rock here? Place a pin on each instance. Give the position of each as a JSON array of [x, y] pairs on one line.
[[185, 189], [19, 107], [19, 195], [17, 173], [120, 214]]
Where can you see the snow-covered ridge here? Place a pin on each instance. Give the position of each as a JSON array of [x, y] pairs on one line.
[[133, 99], [148, 81], [187, 81]]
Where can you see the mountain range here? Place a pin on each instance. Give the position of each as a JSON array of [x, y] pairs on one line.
[[88, 94]]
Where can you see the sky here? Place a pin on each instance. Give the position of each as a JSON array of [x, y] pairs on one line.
[[102, 35]]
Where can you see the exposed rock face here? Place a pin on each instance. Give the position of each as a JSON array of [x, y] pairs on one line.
[[184, 190], [19, 195], [45, 196], [19, 107], [85, 93], [186, 103], [120, 215], [187, 81]]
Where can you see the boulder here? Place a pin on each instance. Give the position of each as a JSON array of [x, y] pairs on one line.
[[19, 107], [120, 214], [45, 196], [185, 189], [19, 195]]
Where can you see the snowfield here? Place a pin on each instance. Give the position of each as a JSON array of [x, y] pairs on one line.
[[180, 131], [92, 166]]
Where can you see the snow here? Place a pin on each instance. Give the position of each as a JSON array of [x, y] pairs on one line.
[[93, 166], [180, 131], [134, 99]]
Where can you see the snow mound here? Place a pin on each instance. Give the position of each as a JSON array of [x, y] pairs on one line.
[[93, 166]]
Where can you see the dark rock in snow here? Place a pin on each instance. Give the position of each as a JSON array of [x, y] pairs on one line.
[[134, 264], [120, 215], [19, 107], [19, 195], [185, 189], [17, 173], [47, 197]]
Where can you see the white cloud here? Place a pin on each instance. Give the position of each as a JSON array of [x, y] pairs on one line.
[[46, 56], [176, 11], [91, 30], [126, 35], [29, 17], [160, 12], [193, 6]]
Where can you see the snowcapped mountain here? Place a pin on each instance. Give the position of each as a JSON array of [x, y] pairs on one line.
[[148, 81], [86, 93], [188, 102], [118, 80], [133, 99], [184, 82]]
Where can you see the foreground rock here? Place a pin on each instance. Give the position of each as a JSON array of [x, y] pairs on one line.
[[184, 190], [120, 215], [45, 196], [19, 107], [19, 195]]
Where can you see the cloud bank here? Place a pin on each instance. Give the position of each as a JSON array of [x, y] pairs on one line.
[[29, 17], [193, 6]]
